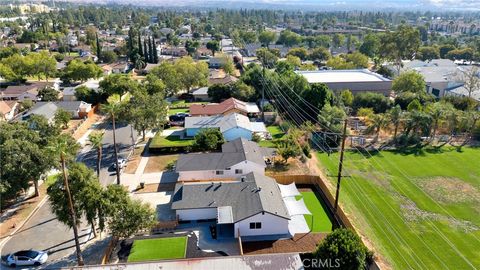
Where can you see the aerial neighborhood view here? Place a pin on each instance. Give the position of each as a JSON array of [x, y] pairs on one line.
[[239, 134]]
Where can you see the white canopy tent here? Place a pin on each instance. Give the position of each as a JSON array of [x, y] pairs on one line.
[[295, 207], [288, 190]]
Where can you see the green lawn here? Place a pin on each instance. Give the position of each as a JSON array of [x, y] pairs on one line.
[[158, 249], [415, 207], [321, 220], [276, 132], [170, 141]]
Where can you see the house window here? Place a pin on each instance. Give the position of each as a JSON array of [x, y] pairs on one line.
[[228, 169], [219, 172], [255, 225], [238, 171]]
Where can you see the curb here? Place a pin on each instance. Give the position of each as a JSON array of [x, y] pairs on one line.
[[40, 204]]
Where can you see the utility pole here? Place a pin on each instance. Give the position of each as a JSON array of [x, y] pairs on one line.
[[340, 166]]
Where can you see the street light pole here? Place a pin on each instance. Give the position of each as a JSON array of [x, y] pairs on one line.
[[340, 167]]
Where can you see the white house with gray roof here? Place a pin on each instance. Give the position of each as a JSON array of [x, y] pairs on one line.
[[232, 126], [252, 206], [238, 157]]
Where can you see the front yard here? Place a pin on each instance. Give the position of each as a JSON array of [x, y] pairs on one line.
[[160, 141], [419, 209], [158, 249]]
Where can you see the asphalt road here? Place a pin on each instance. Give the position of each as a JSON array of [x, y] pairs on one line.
[[43, 231], [124, 143]]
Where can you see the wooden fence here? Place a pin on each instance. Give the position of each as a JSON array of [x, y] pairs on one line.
[[328, 197]]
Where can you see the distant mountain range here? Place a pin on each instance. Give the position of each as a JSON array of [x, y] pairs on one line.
[[473, 5]]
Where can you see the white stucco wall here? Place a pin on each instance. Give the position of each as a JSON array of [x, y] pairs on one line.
[[246, 167], [271, 225], [196, 214]]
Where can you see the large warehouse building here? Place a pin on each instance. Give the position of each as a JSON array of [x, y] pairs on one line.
[[357, 80]]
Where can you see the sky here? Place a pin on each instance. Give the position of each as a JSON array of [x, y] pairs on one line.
[[323, 4]]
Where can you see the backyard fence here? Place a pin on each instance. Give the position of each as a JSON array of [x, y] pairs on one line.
[[341, 218]]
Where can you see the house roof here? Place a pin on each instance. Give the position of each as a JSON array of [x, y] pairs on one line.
[[220, 108], [225, 80], [6, 106], [48, 109], [20, 89], [200, 91], [233, 152], [335, 76], [224, 122], [255, 194]]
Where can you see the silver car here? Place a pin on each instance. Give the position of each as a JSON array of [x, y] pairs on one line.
[[27, 258]]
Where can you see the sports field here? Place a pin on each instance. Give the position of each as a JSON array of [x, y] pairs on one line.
[[421, 210]]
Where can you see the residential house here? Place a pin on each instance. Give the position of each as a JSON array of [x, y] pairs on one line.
[[201, 94], [232, 126], [356, 80], [442, 76], [8, 109], [68, 93], [148, 68], [20, 92], [225, 107], [119, 67], [238, 157], [78, 109], [228, 79], [253, 207]]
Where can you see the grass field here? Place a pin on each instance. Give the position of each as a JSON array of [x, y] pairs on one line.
[[276, 133], [170, 141], [420, 210], [158, 249], [321, 220]]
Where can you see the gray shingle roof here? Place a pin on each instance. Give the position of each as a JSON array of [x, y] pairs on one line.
[[256, 194], [233, 152]]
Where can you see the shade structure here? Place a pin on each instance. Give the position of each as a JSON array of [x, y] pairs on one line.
[[289, 190], [297, 207]]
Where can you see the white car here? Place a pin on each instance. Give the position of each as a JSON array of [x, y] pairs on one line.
[[27, 258], [121, 163]]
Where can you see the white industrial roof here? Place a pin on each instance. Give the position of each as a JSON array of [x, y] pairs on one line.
[[338, 76]]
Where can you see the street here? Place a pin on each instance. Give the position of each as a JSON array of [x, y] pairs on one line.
[[124, 143], [43, 231]]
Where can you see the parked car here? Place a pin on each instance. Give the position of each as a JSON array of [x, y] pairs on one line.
[[26, 258], [177, 119], [121, 163]]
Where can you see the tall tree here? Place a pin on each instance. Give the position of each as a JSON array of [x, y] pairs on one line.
[[99, 47], [147, 111], [139, 44], [154, 50], [95, 140], [145, 51], [150, 50], [395, 115], [65, 148]]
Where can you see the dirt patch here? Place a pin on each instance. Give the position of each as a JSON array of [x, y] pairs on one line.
[[299, 243], [159, 163], [450, 190], [12, 220], [293, 167], [413, 214]]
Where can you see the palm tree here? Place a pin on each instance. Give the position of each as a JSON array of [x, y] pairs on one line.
[[95, 140], [113, 108], [377, 122], [395, 116], [437, 113], [65, 147]]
